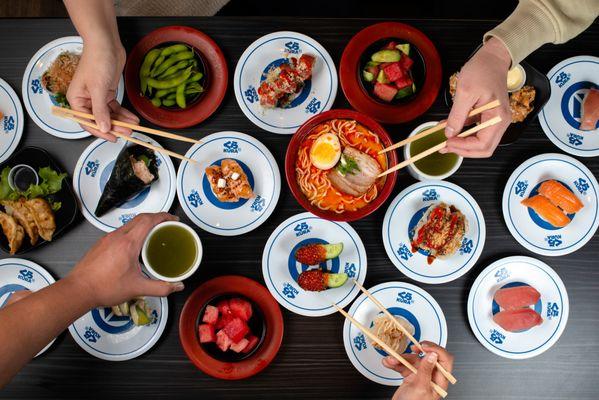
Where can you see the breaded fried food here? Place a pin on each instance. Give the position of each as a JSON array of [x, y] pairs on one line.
[[43, 216], [521, 103], [13, 231], [23, 216]]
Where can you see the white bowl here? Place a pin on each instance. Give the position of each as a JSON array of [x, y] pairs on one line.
[[414, 171], [190, 271]]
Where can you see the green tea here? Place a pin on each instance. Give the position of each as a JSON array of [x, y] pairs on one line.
[[172, 251], [436, 164]]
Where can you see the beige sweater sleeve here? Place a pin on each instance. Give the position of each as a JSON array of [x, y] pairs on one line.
[[536, 22]]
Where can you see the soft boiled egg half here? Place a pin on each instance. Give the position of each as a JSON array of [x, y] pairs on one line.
[[325, 151]]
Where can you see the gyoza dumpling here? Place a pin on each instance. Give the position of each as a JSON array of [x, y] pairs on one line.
[[19, 212], [43, 216], [13, 231]]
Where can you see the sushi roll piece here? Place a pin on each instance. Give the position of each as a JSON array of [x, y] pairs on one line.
[[590, 111], [228, 181], [516, 297], [561, 196], [518, 320], [134, 170], [547, 210]]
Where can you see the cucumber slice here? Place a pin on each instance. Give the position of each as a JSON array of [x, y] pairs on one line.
[[368, 76], [386, 56], [333, 250], [404, 48], [405, 92], [382, 78], [336, 280]]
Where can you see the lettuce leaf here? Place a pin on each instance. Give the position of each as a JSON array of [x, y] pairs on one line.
[[51, 182]]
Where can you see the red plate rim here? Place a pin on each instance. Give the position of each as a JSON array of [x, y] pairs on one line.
[[217, 75], [273, 318], [362, 101], [305, 129]]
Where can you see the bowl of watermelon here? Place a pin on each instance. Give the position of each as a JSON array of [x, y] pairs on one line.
[[231, 327], [391, 72]]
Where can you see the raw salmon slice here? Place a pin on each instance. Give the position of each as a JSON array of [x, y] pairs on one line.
[[590, 111], [516, 297], [517, 320], [547, 210], [561, 196]]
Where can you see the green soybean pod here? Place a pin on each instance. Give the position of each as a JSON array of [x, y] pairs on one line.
[[195, 77], [156, 102], [168, 102], [163, 92], [173, 69], [144, 71], [180, 98], [175, 58], [157, 63], [172, 82], [171, 96], [175, 48]]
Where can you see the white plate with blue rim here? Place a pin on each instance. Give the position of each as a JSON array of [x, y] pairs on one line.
[[109, 337], [530, 229], [93, 170], [39, 102], [401, 299], [553, 306], [228, 218], [570, 81], [281, 270], [403, 215], [11, 120], [270, 51], [18, 274]]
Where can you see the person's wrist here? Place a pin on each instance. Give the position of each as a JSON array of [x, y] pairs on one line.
[[110, 47], [496, 48], [78, 288]]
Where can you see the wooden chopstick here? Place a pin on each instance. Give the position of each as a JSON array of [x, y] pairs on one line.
[[387, 348], [128, 138], [381, 307], [134, 127], [438, 127], [441, 145]]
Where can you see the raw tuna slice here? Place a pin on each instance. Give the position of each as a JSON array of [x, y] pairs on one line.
[[239, 346], [516, 297], [223, 341], [236, 329], [210, 315], [241, 308], [206, 333], [517, 320], [590, 111]]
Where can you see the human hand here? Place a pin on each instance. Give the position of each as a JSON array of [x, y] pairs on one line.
[[418, 386], [482, 79], [110, 273], [93, 88]]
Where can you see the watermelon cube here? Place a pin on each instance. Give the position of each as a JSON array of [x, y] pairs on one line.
[[384, 91], [223, 307], [223, 341], [390, 46], [394, 71], [241, 308], [373, 69], [404, 82], [206, 332], [223, 320], [406, 62], [236, 329], [239, 346], [252, 343], [210, 315]]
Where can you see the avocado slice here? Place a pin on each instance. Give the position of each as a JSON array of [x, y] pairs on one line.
[[336, 280], [382, 78], [404, 48], [139, 315], [372, 64], [333, 250], [386, 56], [405, 92], [368, 76]]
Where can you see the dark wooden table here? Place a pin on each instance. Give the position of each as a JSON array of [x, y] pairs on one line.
[[312, 362]]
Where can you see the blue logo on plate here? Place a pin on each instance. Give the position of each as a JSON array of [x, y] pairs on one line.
[[405, 297], [26, 275], [582, 186], [36, 86], [313, 106], [292, 47], [360, 342], [554, 240], [520, 188], [301, 229], [552, 310], [125, 218], [574, 139], [496, 336], [289, 291], [572, 101], [404, 252], [251, 94], [258, 204], [562, 78], [430, 195], [466, 247], [350, 270], [8, 123], [91, 168], [231, 147], [502, 274], [194, 199], [91, 335]]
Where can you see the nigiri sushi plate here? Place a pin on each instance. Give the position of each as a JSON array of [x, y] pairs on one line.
[[116, 181], [11, 120], [309, 263], [518, 307], [434, 231], [283, 79], [550, 204], [17, 276], [413, 307], [570, 119], [233, 188]]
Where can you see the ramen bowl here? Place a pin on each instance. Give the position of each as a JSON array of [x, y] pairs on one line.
[[384, 187]]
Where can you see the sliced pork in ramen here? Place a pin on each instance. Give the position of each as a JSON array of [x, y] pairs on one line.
[[355, 173]]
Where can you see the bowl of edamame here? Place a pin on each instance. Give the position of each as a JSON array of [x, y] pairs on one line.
[[176, 77]]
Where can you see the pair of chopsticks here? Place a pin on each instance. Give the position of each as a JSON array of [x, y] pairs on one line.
[[89, 120], [443, 144], [440, 391]]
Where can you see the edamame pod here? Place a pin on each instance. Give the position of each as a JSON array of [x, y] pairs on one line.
[[175, 48], [163, 92], [171, 96], [168, 102], [180, 97], [184, 55], [196, 76], [173, 69], [156, 102], [170, 83], [157, 63], [144, 71]]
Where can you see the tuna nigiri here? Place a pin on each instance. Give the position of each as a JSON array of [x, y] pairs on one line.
[[547, 210], [517, 320], [516, 297], [561, 196], [590, 111]]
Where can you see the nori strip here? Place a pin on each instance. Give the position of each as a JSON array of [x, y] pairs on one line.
[[123, 183]]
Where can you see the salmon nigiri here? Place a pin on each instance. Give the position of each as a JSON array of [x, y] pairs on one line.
[[518, 320], [547, 210], [590, 111], [561, 196], [516, 297]]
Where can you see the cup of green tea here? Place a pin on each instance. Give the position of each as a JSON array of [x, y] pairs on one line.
[[172, 251], [436, 165]]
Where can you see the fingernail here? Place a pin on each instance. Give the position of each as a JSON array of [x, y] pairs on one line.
[[431, 358], [178, 286], [104, 126], [391, 360], [443, 151]]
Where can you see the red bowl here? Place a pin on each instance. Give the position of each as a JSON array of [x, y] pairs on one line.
[[216, 75], [291, 157], [361, 100], [231, 285]]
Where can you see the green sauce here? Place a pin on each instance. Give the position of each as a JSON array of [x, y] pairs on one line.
[[436, 164], [172, 251]]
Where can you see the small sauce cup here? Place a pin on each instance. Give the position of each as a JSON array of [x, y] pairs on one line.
[[21, 176]]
